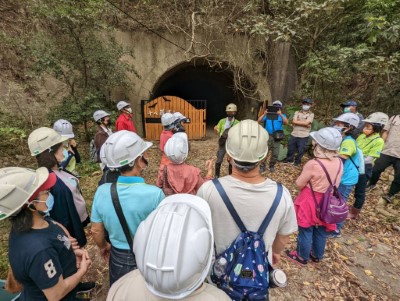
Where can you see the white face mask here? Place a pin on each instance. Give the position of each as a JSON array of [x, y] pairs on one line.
[[129, 110], [306, 107]]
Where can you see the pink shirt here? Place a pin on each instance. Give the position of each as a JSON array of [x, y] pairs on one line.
[[314, 173]]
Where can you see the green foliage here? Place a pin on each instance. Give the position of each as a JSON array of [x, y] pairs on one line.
[[77, 48]]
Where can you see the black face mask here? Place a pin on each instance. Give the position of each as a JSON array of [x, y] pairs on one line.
[[230, 115], [178, 129]]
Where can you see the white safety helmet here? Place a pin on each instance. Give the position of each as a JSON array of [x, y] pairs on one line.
[[17, 185], [43, 139], [64, 128], [231, 108], [99, 114], [349, 118], [247, 142], [167, 119], [329, 138], [177, 148], [378, 118], [122, 148], [174, 246], [178, 116], [122, 104]]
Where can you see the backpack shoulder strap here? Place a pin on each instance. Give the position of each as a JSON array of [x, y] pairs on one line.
[[120, 214], [229, 205], [326, 172], [271, 211]]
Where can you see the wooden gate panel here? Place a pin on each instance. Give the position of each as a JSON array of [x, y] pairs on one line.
[[153, 110]]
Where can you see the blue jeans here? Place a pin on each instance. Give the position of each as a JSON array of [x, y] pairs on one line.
[[359, 190], [121, 263], [296, 144], [344, 191], [311, 239]]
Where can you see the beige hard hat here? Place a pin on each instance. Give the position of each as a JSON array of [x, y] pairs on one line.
[[247, 142], [17, 186], [377, 118], [43, 139], [231, 108]]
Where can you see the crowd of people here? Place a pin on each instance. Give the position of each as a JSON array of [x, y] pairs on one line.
[[190, 236]]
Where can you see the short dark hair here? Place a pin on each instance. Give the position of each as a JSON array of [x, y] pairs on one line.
[[126, 168], [23, 221], [47, 158]]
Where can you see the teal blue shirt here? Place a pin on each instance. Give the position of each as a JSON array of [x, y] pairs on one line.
[[137, 199], [350, 171]]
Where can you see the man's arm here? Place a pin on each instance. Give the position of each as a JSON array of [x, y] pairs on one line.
[[277, 247], [385, 135], [98, 235]]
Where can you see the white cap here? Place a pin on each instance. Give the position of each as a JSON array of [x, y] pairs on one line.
[[177, 148], [349, 118], [99, 114], [122, 104], [329, 138], [277, 103], [122, 148], [43, 139], [17, 185], [247, 142], [174, 246], [167, 119], [64, 128]]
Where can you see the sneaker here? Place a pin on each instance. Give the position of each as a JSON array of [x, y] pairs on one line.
[[314, 259], [388, 198], [370, 188], [334, 234], [286, 162], [85, 287], [272, 169], [292, 255]]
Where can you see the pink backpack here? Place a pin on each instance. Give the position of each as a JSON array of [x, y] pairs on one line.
[[332, 209]]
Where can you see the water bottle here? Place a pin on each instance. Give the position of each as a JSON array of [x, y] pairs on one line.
[[220, 266], [277, 278]]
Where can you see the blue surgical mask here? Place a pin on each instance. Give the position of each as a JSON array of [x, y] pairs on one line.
[[49, 204], [339, 128], [346, 110], [306, 107]]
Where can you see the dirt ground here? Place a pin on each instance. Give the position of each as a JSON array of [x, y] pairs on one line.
[[362, 265]]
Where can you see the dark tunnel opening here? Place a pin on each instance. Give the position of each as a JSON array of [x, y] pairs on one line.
[[194, 82]]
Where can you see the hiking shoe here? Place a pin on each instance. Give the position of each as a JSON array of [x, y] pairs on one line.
[[314, 259], [292, 255], [370, 188], [334, 234], [271, 169], [388, 197], [85, 287], [287, 162]]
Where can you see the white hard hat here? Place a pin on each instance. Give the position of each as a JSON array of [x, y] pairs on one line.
[[64, 128], [122, 104], [167, 119], [17, 185], [178, 116], [177, 148], [247, 142], [231, 108], [277, 103], [122, 148], [174, 246], [349, 118], [99, 114], [43, 139], [377, 118], [329, 138]]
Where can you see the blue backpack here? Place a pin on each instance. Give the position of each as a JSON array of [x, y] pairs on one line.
[[242, 270]]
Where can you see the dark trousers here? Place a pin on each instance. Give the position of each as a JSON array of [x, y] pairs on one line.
[[296, 145], [383, 162], [220, 157], [121, 263], [359, 189]]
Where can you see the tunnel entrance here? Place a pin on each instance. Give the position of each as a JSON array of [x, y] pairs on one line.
[[194, 81]]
